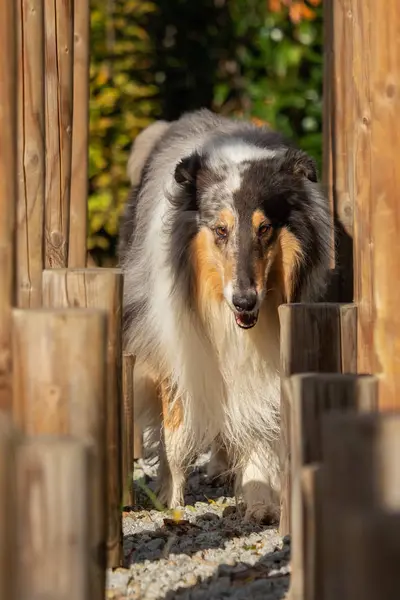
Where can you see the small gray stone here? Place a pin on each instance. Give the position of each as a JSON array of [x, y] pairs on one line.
[[155, 544]]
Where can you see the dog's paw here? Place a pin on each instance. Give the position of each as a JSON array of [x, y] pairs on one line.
[[169, 493], [261, 513]]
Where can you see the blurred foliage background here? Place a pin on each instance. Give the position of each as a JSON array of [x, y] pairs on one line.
[[150, 59]]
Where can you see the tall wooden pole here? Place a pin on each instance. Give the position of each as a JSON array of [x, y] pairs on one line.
[[80, 137], [362, 143], [376, 68], [59, 48], [337, 138], [31, 153], [8, 189]]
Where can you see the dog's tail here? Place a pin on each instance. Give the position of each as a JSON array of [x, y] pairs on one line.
[[142, 147]]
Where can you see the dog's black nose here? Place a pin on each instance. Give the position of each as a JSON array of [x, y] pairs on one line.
[[245, 301]]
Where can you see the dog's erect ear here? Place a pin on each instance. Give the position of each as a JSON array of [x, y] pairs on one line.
[[300, 164], [186, 170]]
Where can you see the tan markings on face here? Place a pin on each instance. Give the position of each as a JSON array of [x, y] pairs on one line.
[[172, 411], [258, 217], [288, 259], [226, 217], [207, 263], [265, 257]]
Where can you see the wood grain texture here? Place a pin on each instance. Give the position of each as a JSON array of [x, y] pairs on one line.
[[311, 340], [372, 555], [8, 512], [53, 539], [60, 388], [361, 472], [8, 189], [59, 46], [128, 364], [338, 124], [376, 99], [100, 288], [310, 481], [31, 153], [80, 137], [311, 397], [137, 441]]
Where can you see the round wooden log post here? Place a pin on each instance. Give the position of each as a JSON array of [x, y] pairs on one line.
[[309, 546], [372, 555], [80, 137], [314, 337], [59, 55], [137, 440], [8, 189], [8, 511], [100, 288], [361, 472], [128, 364], [338, 131], [60, 388], [53, 538], [31, 153], [312, 396]]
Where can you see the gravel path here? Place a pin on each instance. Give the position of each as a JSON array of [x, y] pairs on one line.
[[201, 552]]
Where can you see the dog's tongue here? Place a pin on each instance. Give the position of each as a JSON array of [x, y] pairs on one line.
[[245, 320]]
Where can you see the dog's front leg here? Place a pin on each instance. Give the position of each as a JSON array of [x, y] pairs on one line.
[[173, 468], [174, 449], [260, 483]]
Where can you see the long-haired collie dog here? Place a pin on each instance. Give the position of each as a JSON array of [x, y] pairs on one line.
[[225, 221]]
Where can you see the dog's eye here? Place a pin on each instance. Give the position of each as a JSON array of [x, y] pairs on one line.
[[221, 231], [264, 228]]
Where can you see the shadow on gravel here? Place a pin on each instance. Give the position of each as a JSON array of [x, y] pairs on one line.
[[268, 579], [208, 530]]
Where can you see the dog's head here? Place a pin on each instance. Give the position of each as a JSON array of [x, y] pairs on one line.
[[261, 223]]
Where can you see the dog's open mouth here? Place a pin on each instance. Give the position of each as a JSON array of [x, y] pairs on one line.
[[246, 320]]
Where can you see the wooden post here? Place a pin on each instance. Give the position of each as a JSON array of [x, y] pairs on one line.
[[311, 396], [80, 137], [8, 188], [310, 544], [53, 494], [8, 512], [59, 53], [312, 337], [372, 553], [128, 363], [100, 288], [338, 127], [361, 472], [59, 385], [371, 61], [137, 439], [31, 153]]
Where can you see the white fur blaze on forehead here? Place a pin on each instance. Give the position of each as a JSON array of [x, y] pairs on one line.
[[233, 179], [237, 152]]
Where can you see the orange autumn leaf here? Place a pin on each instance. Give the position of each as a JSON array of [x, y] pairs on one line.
[[298, 10], [275, 5], [259, 122]]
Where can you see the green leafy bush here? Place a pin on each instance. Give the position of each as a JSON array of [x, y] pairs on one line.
[[123, 101]]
